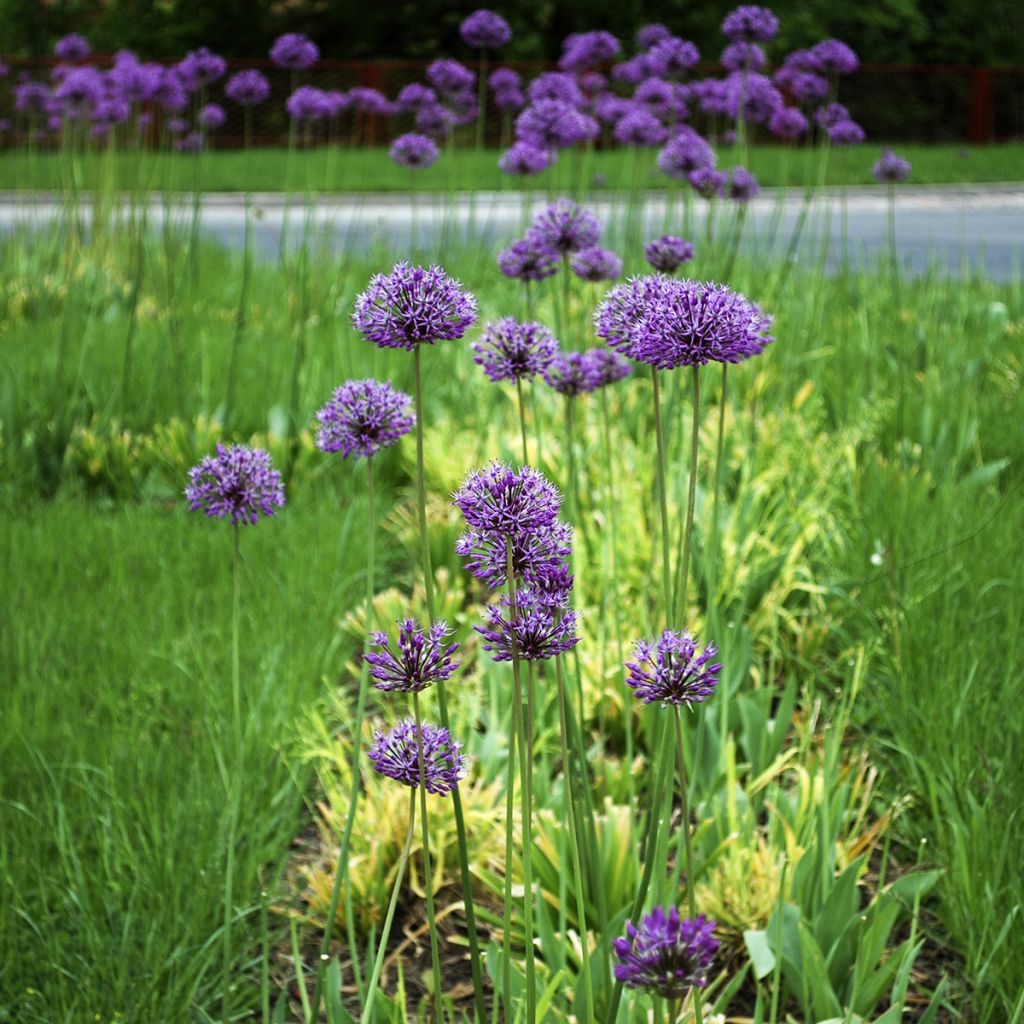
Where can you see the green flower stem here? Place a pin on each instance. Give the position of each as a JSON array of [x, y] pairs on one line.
[[506, 915], [525, 795], [382, 947], [522, 419], [481, 114], [691, 898], [428, 875], [692, 496], [574, 850], [341, 871], [666, 558], [714, 557], [442, 711]]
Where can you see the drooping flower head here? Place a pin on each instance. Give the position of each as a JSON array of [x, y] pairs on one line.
[[537, 631], [536, 555], [413, 150], [395, 754], [565, 227], [571, 374], [413, 306], [507, 502], [528, 259], [673, 670], [510, 350], [596, 264], [606, 366], [247, 88], [294, 51], [422, 658], [238, 483], [668, 253], [363, 417], [665, 955], [890, 168], [750, 24], [485, 30]]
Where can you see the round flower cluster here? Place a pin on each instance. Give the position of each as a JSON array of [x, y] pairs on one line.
[[666, 955], [890, 168], [294, 52], [363, 417], [247, 88], [673, 670], [485, 30], [413, 150], [750, 24], [238, 483], [422, 659], [527, 259], [668, 253], [395, 754], [510, 350]]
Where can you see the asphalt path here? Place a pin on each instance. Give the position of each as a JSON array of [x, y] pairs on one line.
[[943, 229]]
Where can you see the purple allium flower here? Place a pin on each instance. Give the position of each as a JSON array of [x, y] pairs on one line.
[[596, 264], [192, 142], [396, 755], [582, 50], [80, 88], [524, 158], [412, 306], [169, 92], [134, 81], [650, 35], [592, 82], [536, 555], [760, 99], [555, 85], [551, 124], [307, 103], [639, 127], [788, 123], [368, 100], [485, 30], [238, 483], [363, 417], [743, 186], [247, 88], [211, 116], [177, 125], [335, 101], [413, 96], [536, 632], [846, 133], [663, 98], [294, 51], [750, 24], [804, 86], [632, 71], [665, 955], [668, 253], [671, 323], [672, 57], [510, 350], [31, 98], [552, 589], [571, 374], [423, 658], [684, 154], [413, 150], [833, 114], [464, 105], [509, 99], [565, 227], [740, 55], [72, 48], [502, 501], [448, 76], [111, 110], [201, 67], [606, 366], [435, 119], [890, 168], [803, 60], [708, 183], [673, 671], [504, 78], [835, 57], [528, 260], [609, 107]]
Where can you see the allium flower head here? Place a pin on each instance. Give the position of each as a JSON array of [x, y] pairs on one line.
[[413, 96], [571, 374], [485, 30], [639, 127], [684, 154], [665, 955], [363, 417], [211, 116], [412, 306], [555, 85], [846, 133], [81, 87], [741, 56], [238, 483], [508, 502], [510, 350], [890, 168], [673, 670], [665, 99], [606, 366], [551, 589], [649, 35], [201, 67], [31, 98], [596, 264], [750, 24], [504, 78], [582, 50], [835, 57], [368, 100], [565, 227], [413, 150], [395, 754], [668, 253], [307, 103], [743, 186], [247, 88], [552, 124], [788, 123], [435, 119], [831, 115], [536, 632], [422, 658], [805, 86], [294, 51], [626, 305], [72, 48], [522, 158], [528, 259], [448, 76], [536, 555], [672, 57]]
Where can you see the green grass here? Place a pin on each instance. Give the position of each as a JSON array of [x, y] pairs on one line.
[[343, 170], [115, 725]]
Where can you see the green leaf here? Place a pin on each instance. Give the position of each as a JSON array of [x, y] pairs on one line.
[[761, 955]]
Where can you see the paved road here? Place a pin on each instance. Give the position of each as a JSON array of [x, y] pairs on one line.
[[942, 227]]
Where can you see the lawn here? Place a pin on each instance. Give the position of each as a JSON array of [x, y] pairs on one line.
[[866, 601]]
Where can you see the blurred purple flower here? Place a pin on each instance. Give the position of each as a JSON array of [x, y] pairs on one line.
[[528, 260], [247, 88], [413, 96], [672, 58], [668, 253], [307, 103], [649, 35], [413, 150], [750, 24], [571, 374], [708, 182], [846, 133], [362, 418], [788, 123], [740, 56], [449, 76], [504, 78], [555, 85], [582, 50], [743, 186], [199, 68], [686, 153], [294, 52], [485, 30], [639, 127], [564, 227], [523, 158], [211, 116], [606, 366], [890, 168], [596, 264], [835, 57], [72, 48]]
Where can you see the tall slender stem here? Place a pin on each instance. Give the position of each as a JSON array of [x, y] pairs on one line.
[[506, 916], [522, 419], [341, 870], [691, 898], [385, 934], [236, 710], [428, 875], [666, 557], [442, 711], [692, 496]]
